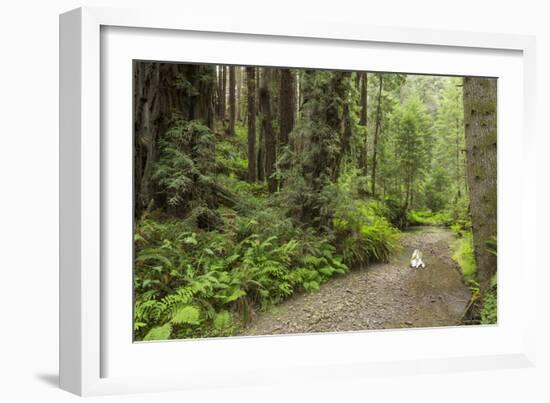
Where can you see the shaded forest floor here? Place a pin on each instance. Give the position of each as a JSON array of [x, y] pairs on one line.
[[383, 296]]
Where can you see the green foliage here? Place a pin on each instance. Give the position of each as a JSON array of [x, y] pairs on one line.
[[318, 148], [489, 308], [361, 236], [159, 333], [427, 217], [197, 283], [186, 315], [436, 189], [231, 158], [223, 324], [391, 209], [463, 254], [184, 172], [186, 155]]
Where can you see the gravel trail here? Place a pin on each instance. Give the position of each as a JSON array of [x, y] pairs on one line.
[[383, 296]]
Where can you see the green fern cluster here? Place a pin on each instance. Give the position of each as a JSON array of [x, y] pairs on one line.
[[489, 308], [427, 217], [463, 254], [363, 237], [202, 284]]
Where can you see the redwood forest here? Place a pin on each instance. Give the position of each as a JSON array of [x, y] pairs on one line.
[[275, 200]]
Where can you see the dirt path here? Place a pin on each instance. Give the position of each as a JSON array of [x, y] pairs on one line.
[[384, 296]]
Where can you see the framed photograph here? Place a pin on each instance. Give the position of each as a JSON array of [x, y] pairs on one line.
[[236, 197]]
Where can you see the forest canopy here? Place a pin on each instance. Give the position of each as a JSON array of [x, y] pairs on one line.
[[252, 184]]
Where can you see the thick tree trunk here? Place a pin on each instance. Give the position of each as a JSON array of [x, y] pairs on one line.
[[219, 93], [336, 113], [224, 94], [458, 174], [251, 89], [270, 142], [358, 81], [363, 98], [202, 104], [286, 105], [299, 91], [260, 157], [345, 124], [156, 96], [238, 81], [480, 124], [376, 135], [232, 101]]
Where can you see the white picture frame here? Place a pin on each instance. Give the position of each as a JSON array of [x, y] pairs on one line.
[[96, 354]]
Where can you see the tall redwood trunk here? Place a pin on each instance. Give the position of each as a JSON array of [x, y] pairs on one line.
[[364, 82], [376, 135], [223, 94], [232, 100], [251, 89], [286, 105], [260, 157], [267, 130], [156, 96], [480, 124], [238, 81]]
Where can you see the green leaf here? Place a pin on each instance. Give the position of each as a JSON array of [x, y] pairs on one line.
[[311, 286], [159, 332], [326, 271], [238, 293], [188, 314], [139, 325], [222, 320], [190, 240], [152, 256]]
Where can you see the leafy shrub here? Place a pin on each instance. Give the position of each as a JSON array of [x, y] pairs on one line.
[[361, 237], [391, 209], [463, 254], [427, 217], [230, 161], [489, 307], [436, 189], [183, 171]]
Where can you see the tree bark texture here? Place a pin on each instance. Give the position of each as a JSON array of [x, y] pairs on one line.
[[286, 105], [363, 99], [158, 95], [251, 90], [270, 142], [480, 123], [232, 100], [223, 94], [376, 135]]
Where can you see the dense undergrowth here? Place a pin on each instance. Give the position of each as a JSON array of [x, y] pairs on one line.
[[205, 269]]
